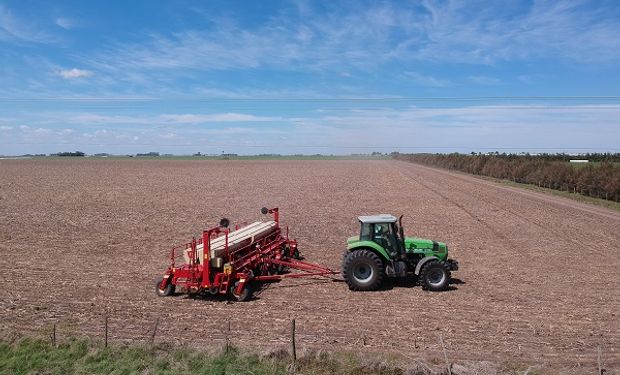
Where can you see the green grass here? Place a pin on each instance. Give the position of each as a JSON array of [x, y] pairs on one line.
[[565, 194], [35, 356], [83, 356]]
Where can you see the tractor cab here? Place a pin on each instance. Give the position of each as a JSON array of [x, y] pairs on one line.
[[384, 231]]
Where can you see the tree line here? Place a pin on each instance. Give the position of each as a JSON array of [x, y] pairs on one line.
[[599, 178]]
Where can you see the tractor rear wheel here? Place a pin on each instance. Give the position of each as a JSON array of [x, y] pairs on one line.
[[245, 294], [362, 270], [167, 291], [435, 276]]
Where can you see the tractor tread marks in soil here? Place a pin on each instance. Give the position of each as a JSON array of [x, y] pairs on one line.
[[363, 270], [435, 276]]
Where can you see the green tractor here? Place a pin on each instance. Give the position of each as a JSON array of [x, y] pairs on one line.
[[381, 250]]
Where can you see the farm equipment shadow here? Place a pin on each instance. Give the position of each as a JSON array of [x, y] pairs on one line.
[[258, 289], [413, 283]]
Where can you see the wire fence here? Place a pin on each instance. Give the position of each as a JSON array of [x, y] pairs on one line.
[[113, 330]]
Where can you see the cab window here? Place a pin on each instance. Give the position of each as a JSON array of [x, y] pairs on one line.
[[366, 233], [383, 235]]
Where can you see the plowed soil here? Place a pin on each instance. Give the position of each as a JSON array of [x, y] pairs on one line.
[[538, 282]]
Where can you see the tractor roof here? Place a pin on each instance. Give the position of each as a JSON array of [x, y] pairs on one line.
[[382, 218]]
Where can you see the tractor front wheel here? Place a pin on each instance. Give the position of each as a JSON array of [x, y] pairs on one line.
[[435, 276], [362, 270], [167, 291]]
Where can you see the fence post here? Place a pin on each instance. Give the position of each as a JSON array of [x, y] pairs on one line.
[[598, 360], [228, 338], [54, 334], [293, 349], [445, 355], [105, 345], [154, 331]]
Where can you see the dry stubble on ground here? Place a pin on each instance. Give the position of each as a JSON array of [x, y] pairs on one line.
[[82, 238]]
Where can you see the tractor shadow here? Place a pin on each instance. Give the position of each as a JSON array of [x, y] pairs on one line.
[[413, 283]]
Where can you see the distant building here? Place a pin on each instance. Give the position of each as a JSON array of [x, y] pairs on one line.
[[578, 160]]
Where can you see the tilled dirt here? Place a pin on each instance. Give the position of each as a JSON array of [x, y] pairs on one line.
[[538, 282]]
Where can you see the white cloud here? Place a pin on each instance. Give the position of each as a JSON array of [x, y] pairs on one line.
[[525, 127], [42, 131], [361, 38], [94, 118], [217, 117], [169, 135], [484, 80], [74, 73], [576, 31], [5, 127], [352, 37], [427, 80], [16, 29], [65, 23], [474, 127], [154, 120]]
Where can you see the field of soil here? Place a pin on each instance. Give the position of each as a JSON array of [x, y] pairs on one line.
[[538, 278]]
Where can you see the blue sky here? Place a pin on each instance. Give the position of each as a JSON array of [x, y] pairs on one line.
[[308, 76]]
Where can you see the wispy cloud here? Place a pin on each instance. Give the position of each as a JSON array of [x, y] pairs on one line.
[[17, 29], [468, 128], [74, 73], [81, 118], [65, 23], [498, 31], [218, 117], [427, 80], [359, 37], [484, 80], [363, 37]]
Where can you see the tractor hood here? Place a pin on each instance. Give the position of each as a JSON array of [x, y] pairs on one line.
[[353, 239], [414, 244]]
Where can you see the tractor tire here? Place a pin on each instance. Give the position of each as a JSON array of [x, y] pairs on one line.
[[435, 276], [363, 270], [167, 291], [245, 295]]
